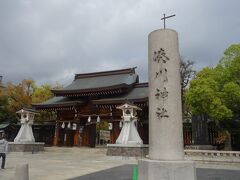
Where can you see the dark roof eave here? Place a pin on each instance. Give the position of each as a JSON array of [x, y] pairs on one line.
[[119, 101], [59, 105]]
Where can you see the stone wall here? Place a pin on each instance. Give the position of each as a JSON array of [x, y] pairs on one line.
[[127, 151], [25, 147]]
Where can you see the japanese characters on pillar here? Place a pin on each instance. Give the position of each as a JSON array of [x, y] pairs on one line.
[[161, 93]]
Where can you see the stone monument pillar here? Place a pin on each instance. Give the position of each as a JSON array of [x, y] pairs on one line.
[[166, 151]]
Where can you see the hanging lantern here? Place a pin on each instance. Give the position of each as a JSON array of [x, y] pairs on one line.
[[69, 125], [74, 126], [63, 125], [98, 119], [89, 119]]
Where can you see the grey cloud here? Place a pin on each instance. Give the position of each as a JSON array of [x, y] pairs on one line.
[[50, 40]]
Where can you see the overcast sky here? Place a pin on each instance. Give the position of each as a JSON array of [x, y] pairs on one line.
[[51, 40]]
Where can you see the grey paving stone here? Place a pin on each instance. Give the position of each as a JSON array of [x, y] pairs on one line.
[[125, 173], [118, 173]]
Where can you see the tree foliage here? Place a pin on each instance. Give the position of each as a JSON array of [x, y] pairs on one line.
[[42, 94], [216, 91], [3, 106], [16, 96], [19, 95], [186, 73], [231, 53]]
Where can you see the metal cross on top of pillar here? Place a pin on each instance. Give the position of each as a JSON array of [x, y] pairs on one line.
[[166, 17]]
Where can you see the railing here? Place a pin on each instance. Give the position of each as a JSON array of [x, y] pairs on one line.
[[212, 155]]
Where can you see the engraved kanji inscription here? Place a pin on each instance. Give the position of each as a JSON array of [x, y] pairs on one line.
[[161, 93], [163, 74], [161, 112], [160, 56], [157, 94], [164, 93]]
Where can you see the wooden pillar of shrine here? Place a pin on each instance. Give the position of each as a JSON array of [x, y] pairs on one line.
[[115, 131], [92, 135], [65, 136], [56, 134], [76, 136]]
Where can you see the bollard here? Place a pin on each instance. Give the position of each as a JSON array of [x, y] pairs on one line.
[[134, 177], [21, 172]]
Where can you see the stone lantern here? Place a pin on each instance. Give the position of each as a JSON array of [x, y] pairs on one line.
[[25, 141], [129, 133], [25, 133], [128, 142]]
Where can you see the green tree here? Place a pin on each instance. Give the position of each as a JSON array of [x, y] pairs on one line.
[[186, 73], [5, 115], [19, 95], [3, 109], [231, 53], [216, 91], [44, 93], [41, 94], [231, 96], [16, 96], [204, 96]]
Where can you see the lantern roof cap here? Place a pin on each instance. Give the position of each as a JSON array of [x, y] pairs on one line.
[[128, 105], [27, 110]]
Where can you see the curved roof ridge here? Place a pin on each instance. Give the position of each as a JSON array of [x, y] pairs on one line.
[[106, 73]]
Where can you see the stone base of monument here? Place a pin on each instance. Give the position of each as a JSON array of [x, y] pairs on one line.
[[25, 146], [129, 150], [166, 170]]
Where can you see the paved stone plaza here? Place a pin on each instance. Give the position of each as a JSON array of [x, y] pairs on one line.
[[61, 163], [125, 173], [85, 163]]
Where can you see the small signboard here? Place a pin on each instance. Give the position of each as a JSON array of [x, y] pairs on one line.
[[104, 135]]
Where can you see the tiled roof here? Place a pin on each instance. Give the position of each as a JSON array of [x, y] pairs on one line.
[[138, 94], [58, 102], [96, 83]]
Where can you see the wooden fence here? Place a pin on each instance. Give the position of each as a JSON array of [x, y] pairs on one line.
[[212, 135]]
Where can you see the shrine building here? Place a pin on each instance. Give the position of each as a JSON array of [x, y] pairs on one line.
[[90, 100]]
